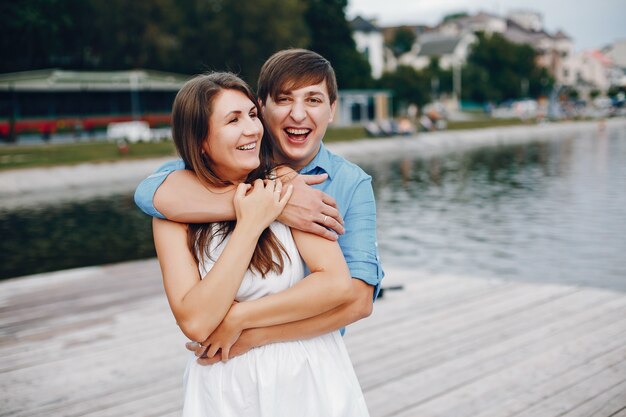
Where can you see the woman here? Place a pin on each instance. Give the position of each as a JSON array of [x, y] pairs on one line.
[[239, 268]]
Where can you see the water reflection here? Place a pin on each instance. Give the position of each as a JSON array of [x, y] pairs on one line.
[[546, 212], [552, 211], [70, 235]]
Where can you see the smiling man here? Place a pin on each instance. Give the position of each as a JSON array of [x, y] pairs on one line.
[[297, 91]]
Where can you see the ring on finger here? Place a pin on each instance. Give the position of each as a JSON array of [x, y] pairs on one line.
[[324, 220]]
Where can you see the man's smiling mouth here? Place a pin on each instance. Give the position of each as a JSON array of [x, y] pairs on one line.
[[297, 134]]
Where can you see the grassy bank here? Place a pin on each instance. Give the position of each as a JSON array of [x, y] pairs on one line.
[[45, 155], [30, 156]]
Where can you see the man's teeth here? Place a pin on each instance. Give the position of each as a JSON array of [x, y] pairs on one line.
[[247, 147], [298, 131]]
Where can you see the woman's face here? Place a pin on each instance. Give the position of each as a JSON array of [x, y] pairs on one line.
[[235, 133]]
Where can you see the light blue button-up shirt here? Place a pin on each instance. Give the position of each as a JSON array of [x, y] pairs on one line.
[[347, 183]]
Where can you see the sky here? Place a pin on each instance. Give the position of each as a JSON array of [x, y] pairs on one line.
[[590, 23]]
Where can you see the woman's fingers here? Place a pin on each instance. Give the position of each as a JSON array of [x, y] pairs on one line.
[[285, 198], [241, 191], [225, 353], [212, 350]]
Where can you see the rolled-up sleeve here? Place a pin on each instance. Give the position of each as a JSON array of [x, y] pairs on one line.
[[144, 194], [359, 243]]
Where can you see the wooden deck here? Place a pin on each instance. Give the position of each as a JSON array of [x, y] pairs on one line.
[[101, 342]]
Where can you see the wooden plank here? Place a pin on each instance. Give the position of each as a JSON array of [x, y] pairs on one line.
[[535, 378], [101, 341], [434, 343], [579, 394], [611, 402], [441, 377]]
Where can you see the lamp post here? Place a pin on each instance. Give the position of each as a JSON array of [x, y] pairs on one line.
[[456, 79]]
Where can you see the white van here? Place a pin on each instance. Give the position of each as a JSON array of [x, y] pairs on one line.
[[132, 132]]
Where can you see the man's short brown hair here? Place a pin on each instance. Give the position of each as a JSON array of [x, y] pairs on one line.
[[291, 69]]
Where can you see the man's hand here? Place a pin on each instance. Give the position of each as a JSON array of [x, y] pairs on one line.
[[308, 209], [245, 342]]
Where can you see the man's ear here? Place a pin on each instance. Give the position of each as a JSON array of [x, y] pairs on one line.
[[333, 107], [261, 105]]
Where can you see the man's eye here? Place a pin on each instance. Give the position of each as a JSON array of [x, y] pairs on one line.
[[283, 99]]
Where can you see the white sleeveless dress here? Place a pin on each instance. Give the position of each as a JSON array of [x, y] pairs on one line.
[[304, 378]]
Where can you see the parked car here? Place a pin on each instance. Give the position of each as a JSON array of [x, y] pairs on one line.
[[132, 132]]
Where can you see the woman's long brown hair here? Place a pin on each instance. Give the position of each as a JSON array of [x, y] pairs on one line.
[[191, 116]]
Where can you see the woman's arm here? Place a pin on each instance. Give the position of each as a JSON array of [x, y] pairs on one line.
[[327, 287], [200, 305]]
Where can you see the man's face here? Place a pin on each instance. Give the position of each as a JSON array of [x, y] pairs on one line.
[[297, 120]]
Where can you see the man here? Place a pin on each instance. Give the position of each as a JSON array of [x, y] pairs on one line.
[[297, 91]]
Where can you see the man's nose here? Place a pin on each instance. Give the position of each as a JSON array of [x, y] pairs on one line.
[[298, 112]]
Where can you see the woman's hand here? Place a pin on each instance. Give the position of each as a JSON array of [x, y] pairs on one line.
[[224, 336], [258, 205]]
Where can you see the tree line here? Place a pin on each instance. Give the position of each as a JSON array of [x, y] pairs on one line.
[[194, 36], [184, 36]]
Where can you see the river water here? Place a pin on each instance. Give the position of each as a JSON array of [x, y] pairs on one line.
[[548, 211]]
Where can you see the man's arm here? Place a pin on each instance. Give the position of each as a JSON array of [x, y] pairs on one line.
[[359, 249], [183, 198], [177, 194], [359, 306]]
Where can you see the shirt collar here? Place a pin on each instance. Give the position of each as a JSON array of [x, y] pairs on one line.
[[322, 161]]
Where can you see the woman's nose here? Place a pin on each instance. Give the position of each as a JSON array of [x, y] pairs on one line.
[[253, 127]]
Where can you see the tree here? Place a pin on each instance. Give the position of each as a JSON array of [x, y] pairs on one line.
[[42, 33], [187, 36], [331, 37], [240, 36], [408, 85], [454, 16], [403, 40], [498, 69]]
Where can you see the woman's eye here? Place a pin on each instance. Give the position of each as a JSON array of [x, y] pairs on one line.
[[234, 120], [253, 115]]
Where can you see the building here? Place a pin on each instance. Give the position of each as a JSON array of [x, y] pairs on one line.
[[451, 50], [592, 72], [369, 41], [449, 41], [555, 52], [480, 22], [358, 107], [49, 100]]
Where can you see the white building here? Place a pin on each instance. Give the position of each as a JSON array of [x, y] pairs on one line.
[[527, 19], [451, 50], [450, 41], [369, 41], [358, 107], [481, 22], [617, 53], [592, 71]]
